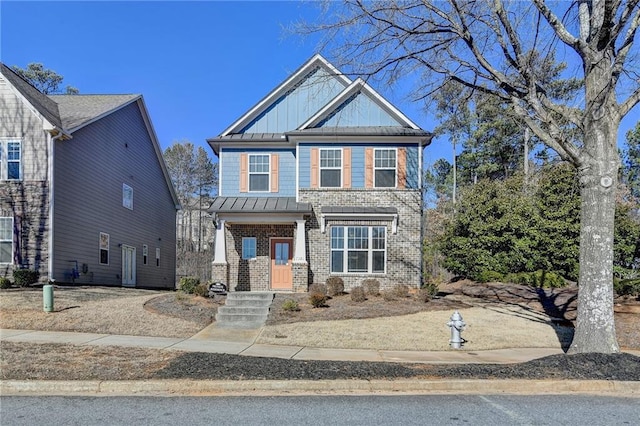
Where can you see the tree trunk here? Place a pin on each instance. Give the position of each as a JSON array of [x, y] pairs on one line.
[[595, 327]]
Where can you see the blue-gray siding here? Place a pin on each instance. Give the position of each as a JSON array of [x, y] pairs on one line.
[[230, 172], [90, 171], [359, 110]]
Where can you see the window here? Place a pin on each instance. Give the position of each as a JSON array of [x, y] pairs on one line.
[[104, 248], [10, 160], [145, 253], [6, 240], [249, 248], [358, 249], [330, 168], [385, 168], [158, 256], [259, 173], [127, 196]]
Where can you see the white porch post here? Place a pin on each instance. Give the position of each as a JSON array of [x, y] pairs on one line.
[[220, 252], [299, 251]]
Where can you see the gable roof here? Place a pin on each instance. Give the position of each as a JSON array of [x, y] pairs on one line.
[[39, 101], [318, 100], [76, 111]]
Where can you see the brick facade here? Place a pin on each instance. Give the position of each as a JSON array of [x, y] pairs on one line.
[[404, 254], [28, 204]]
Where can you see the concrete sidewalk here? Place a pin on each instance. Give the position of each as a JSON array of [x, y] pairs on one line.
[[241, 342]]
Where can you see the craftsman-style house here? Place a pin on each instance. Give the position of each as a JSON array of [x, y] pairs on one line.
[[85, 196], [320, 178]]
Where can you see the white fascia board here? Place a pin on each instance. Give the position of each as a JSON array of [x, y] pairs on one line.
[[317, 59], [46, 125], [388, 217], [335, 102], [387, 105], [260, 218], [369, 139]]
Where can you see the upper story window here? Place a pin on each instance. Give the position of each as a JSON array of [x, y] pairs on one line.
[[259, 169], [330, 168], [6, 240], [127, 196], [10, 159], [385, 168]]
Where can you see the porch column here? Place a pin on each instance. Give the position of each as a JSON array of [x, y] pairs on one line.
[[220, 251], [299, 251]]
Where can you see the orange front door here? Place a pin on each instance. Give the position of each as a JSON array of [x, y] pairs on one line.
[[281, 271]]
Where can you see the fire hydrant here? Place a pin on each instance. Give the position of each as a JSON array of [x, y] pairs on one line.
[[457, 325]]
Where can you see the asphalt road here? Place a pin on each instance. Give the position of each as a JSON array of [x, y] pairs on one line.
[[322, 410]]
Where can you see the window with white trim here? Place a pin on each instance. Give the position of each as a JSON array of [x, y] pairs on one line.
[[127, 196], [330, 168], [385, 167], [104, 248], [145, 254], [6, 240], [259, 172], [10, 159], [249, 246], [358, 249]]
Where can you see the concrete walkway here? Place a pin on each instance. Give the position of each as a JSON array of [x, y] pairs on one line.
[[241, 342]]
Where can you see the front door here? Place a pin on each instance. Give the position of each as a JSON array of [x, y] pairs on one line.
[[128, 266], [281, 269]]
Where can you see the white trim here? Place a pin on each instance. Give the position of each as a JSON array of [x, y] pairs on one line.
[[4, 159], [316, 60], [341, 168], [268, 172], [289, 264], [46, 124], [11, 240], [395, 183], [108, 249], [383, 217], [127, 201], [220, 183], [127, 248], [369, 250], [298, 172], [259, 219]]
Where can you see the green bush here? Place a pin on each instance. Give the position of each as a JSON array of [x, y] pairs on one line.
[[318, 288], [543, 279], [317, 299], [25, 277], [490, 277], [5, 282], [371, 286], [201, 290], [290, 305], [188, 284], [629, 287], [357, 294], [335, 286]]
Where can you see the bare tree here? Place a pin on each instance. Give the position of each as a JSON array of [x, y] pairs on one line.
[[501, 48]]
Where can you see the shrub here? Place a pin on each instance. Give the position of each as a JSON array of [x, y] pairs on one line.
[[318, 288], [490, 277], [430, 287], [5, 282], [401, 291], [188, 284], [25, 277], [371, 287], [201, 290], [317, 299], [335, 286], [544, 279], [357, 294], [290, 305], [627, 287], [388, 295], [424, 295]]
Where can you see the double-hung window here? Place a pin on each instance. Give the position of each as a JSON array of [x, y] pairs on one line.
[[330, 168], [10, 159], [127, 196], [259, 168], [6, 240], [385, 168], [358, 249]]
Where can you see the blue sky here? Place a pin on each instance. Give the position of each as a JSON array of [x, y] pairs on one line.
[[199, 65]]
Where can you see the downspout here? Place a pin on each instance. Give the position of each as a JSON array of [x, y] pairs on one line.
[[52, 141]]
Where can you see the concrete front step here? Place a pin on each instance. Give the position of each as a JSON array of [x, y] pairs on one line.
[[244, 310]]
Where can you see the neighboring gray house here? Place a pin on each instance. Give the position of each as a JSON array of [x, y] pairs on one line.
[[85, 196], [321, 178]]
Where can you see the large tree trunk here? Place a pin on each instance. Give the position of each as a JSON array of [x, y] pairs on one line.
[[595, 329]]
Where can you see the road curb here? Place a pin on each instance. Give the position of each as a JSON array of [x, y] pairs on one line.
[[299, 387]]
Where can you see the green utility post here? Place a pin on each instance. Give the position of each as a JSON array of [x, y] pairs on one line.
[[47, 297]]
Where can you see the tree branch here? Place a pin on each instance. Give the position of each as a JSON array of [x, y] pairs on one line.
[[560, 30]]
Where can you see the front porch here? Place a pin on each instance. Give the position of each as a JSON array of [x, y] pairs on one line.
[[260, 244]]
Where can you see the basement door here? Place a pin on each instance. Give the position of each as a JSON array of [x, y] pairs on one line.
[[128, 266], [281, 269]]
